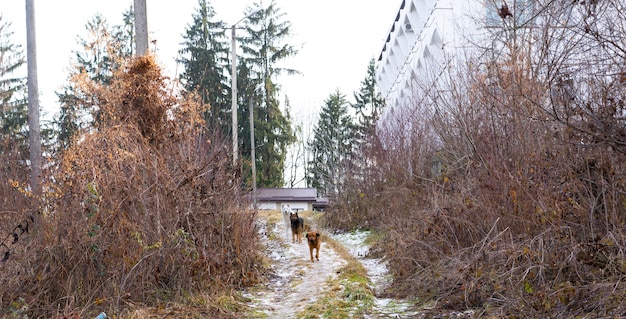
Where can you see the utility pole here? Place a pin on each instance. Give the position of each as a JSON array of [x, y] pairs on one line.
[[233, 88], [252, 156], [34, 131], [141, 27]]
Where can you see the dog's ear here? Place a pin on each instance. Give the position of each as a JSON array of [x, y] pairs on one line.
[[306, 236], [290, 214], [317, 234], [296, 214]]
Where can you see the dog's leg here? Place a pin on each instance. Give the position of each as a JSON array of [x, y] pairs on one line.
[[287, 224], [299, 234], [311, 252], [300, 228], [317, 254]]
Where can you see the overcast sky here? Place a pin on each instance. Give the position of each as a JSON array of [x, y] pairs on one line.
[[337, 38]]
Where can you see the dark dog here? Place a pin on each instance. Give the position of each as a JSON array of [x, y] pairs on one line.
[[297, 227], [314, 240]]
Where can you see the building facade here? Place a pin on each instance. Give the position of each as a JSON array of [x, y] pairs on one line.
[[427, 36], [292, 199]]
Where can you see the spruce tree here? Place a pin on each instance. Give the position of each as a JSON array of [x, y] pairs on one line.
[[13, 104], [14, 143], [368, 102], [104, 48], [331, 146], [204, 57], [368, 106], [264, 48]]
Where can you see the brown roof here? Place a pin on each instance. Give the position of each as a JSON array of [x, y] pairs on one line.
[[321, 202], [287, 194]]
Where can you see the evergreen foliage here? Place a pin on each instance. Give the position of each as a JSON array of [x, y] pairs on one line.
[[331, 146], [368, 106], [13, 104], [205, 57], [264, 48]]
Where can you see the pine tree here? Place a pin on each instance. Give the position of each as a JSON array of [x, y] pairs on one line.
[[368, 102], [331, 146], [11, 59], [14, 148], [103, 50], [264, 47], [205, 57], [71, 117], [368, 106], [13, 104]]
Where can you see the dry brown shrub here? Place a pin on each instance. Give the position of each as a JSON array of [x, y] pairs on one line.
[[147, 208], [17, 215], [15, 199], [485, 202]]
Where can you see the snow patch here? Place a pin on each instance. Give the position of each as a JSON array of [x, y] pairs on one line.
[[378, 273], [298, 282], [376, 268]]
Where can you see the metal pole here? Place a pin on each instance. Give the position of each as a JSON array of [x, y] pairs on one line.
[[234, 83], [234, 95], [34, 132], [252, 155], [141, 27]]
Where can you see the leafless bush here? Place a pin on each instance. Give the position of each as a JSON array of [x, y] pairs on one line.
[[17, 213], [146, 207], [507, 192]]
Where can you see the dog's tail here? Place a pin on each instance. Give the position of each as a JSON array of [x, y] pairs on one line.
[[307, 228]]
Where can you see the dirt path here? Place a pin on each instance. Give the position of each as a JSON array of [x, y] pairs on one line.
[[299, 283]]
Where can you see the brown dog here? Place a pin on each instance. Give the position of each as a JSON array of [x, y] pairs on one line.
[[314, 240], [297, 227]]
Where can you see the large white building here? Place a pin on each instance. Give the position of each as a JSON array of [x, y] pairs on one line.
[[428, 35]]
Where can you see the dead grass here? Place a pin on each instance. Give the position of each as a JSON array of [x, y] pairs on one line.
[[272, 216]]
